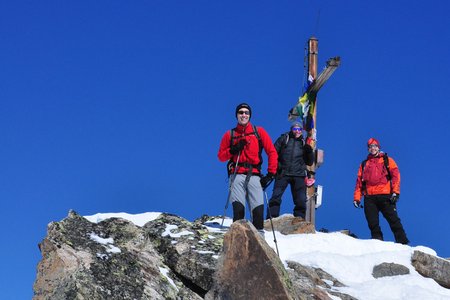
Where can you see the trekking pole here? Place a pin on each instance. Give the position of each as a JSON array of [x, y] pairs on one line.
[[233, 176], [270, 218]]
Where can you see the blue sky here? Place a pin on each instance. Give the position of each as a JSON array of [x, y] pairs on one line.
[[113, 106]]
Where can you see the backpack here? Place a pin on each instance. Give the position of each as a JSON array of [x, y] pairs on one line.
[[386, 165], [286, 137], [231, 163]]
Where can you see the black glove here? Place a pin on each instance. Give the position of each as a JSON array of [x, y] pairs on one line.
[[357, 204], [235, 149], [308, 149], [394, 198], [266, 180]]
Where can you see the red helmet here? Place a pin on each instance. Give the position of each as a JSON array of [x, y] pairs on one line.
[[372, 141]]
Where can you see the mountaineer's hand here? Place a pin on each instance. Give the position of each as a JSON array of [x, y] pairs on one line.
[[357, 204], [266, 180], [394, 198], [235, 149]]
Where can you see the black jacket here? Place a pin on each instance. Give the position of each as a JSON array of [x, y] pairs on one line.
[[293, 155]]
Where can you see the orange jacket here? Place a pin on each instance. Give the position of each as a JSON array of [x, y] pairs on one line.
[[250, 153], [375, 178]]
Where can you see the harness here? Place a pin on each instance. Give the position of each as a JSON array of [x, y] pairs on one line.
[[231, 164], [388, 175]]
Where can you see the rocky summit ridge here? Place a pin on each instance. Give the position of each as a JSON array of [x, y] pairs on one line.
[[173, 258]]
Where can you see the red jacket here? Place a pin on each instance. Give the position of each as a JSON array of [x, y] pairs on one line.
[[375, 178], [250, 153]]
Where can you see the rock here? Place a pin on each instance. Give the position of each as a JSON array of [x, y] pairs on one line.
[[189, 249], [288, 224], [248, 268], [433, 267], [109, 260], [173, 258], [389, 269], [314, 283]]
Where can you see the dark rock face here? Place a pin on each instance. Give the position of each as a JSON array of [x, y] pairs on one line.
[[190, 250], [109, 260], [389, 269], [433, 267]]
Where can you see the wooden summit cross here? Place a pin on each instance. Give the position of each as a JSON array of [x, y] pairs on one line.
[[306, 110]]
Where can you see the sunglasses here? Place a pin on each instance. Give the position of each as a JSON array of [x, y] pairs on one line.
[[296, 129], [373, 146], [244, 112]]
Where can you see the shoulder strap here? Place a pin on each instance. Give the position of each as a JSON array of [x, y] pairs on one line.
[[363, 182], [231, 136], [255, 130], [363, 164], [386, 165]]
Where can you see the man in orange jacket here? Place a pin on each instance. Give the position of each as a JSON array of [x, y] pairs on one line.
[[244, 150], [379, 182]]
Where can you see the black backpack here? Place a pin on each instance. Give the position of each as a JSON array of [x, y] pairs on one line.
[[231, 163]]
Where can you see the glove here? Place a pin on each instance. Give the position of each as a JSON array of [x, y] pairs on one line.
[[266, 180], [394, 198], [357, 204], [235, 149], [308, 149], [310, 142], [309, 181]]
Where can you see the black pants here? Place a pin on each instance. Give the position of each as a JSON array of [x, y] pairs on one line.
[[375, 204], [298, 190]]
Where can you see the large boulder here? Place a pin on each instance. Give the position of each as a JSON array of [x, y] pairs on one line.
[[389, 269], [248, 268], [288, 224], [433, 267]]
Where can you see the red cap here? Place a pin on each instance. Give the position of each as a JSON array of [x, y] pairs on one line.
[[372, 141]]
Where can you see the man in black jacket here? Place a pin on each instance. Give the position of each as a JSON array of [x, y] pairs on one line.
[[293, 157]]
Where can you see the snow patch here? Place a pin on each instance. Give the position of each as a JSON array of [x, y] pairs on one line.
[[169, 229], [165, 273], [137, 219], [106, 242]]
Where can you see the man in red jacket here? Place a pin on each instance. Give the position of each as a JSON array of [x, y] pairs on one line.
[[379, 181], [244, 150]]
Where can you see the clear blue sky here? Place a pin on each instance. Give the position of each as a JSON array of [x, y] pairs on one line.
[[119, 106]]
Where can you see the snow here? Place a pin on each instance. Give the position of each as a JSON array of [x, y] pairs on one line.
[[137, 219], [165, 272], [169, 229], [347, 259], [106, 242], [100, 240]]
